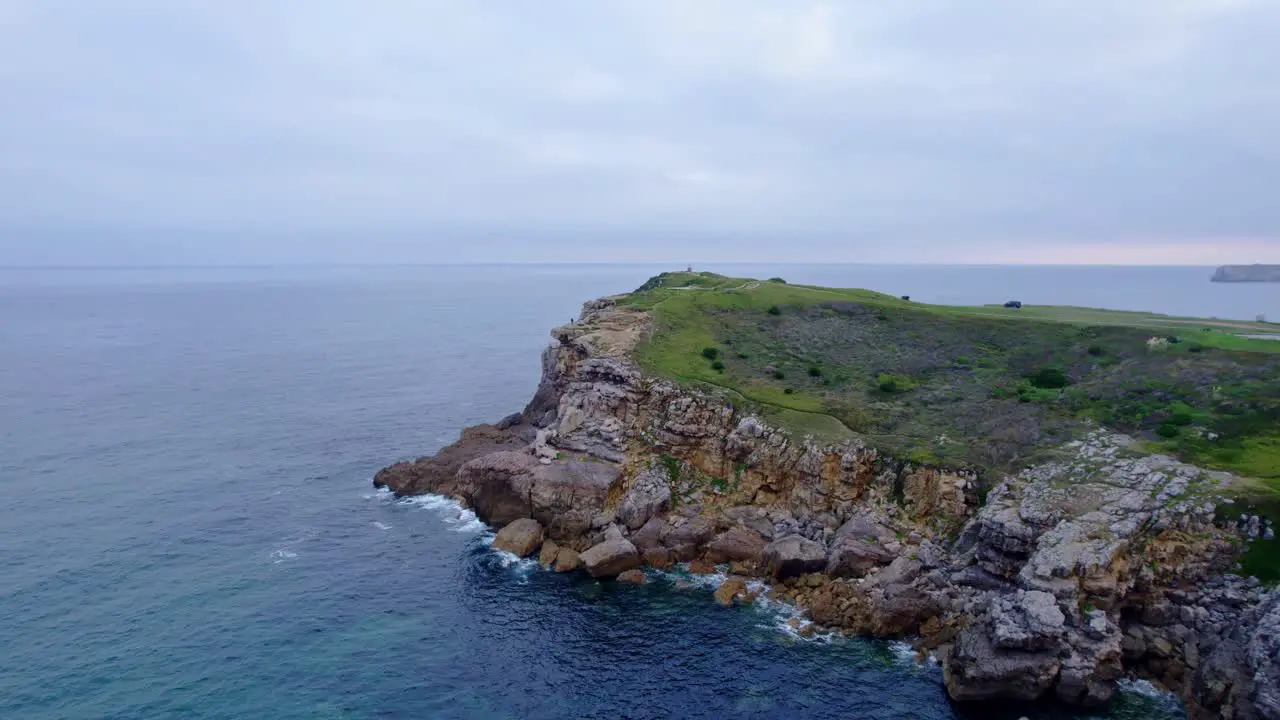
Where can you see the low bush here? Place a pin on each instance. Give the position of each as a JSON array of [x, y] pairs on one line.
[[815, 371], [710, 353], [1049, 378], [778, 280], [779, 375], [890, 383], [775, 310], [717, 366], [1167, 430]]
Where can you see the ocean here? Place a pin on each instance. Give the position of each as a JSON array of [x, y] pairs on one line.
[[188, 529]]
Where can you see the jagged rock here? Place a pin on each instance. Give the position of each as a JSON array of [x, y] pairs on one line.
[[975, 669], [859, 545], [610, 558], [1029, 620], [650, 494], [521, 537], [793, 555], [737, 543], [632, 577], [437, 474]]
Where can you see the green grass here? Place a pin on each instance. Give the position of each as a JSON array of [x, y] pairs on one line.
[[974, 375]]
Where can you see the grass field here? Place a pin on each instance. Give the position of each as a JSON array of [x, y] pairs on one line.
[[986, 388]]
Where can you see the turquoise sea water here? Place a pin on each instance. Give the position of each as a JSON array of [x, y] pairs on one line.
[[187, 526]]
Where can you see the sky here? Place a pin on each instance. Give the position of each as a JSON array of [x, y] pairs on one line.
[[321, 131]]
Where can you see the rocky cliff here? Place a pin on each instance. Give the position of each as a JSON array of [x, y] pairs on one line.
[[1062, 579]]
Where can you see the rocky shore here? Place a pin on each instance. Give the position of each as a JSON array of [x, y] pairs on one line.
[[1064, 578]]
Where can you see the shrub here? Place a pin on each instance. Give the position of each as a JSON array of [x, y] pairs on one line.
[[907, 298], [775, 310], [1167, 430], [778, 280], [1195, 347], [890, 383], [815, 371], [1049, 378], [788, 391], [779, 375], [717, 366], [743, 355], [710, 353], [1174, 339], [1180, 418], [1095, 350]]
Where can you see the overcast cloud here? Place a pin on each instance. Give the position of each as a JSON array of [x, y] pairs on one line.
[[419, 130]]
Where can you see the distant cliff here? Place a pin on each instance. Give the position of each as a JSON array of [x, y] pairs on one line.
[[1247, 273]]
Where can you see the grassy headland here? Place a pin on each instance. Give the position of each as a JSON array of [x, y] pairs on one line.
[[987, 388]]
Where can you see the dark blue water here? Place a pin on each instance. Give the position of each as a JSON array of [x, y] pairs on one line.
[[187, 528]]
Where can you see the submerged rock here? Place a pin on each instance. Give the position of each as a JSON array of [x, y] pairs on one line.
[[632, 577]]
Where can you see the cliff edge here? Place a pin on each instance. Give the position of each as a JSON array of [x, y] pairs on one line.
[[945, 475]]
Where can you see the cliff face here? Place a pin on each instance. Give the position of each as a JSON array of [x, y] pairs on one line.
[[1247, 273], [1067, 576]]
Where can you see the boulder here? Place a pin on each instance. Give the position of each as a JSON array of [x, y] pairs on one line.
[[547, 556], [610, 558], [855, 557], [567, 560], [737, 543], [521, 537], [859, 545], [793, 555], [633, 577]]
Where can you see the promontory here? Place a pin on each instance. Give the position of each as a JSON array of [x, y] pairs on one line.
[[1048, 499], [1247, 273]]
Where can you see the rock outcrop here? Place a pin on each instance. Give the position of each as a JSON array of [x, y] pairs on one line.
[[522, 537], [1069, 575]]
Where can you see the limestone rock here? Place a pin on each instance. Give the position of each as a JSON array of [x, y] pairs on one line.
[[567, 560], [860, 544], [610, 558], [547, 556], [977, 670], [737, 543], [521, 537], [650, 494], [1028, 620], [793, 555]]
